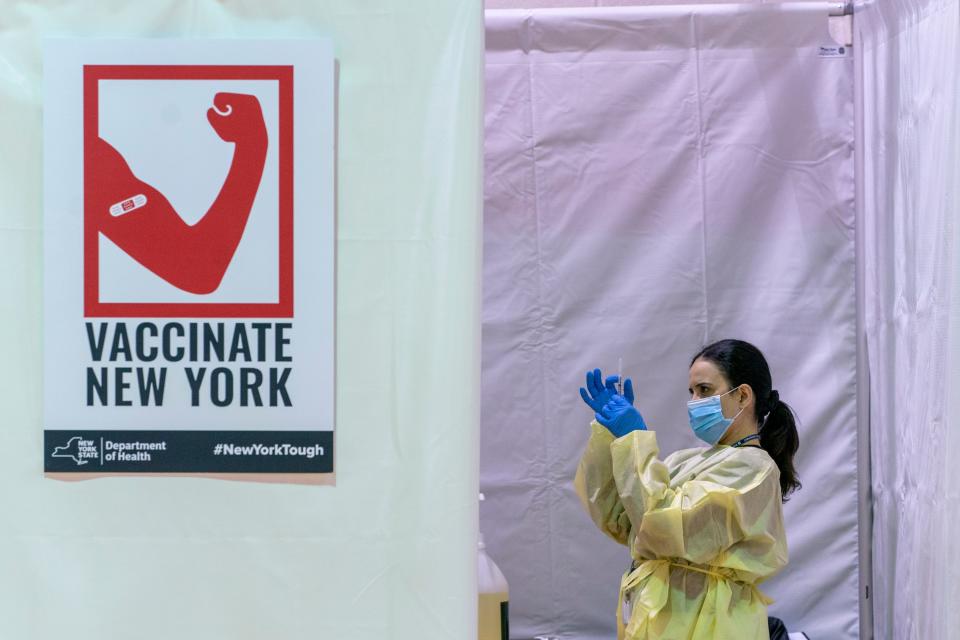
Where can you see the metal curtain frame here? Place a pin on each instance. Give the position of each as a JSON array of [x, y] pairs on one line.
[[864, 469]]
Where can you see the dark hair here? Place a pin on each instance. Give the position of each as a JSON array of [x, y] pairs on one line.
[[742, 363]]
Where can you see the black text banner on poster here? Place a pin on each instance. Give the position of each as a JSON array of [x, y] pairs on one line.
[[189, 256], [189, 451]]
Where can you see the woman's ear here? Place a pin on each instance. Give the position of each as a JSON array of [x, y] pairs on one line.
[[746, 395]]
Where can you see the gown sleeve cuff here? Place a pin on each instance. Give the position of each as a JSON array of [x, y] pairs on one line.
[[639, 441], [598, 432]]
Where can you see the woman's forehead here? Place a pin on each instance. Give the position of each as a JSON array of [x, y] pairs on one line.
[[705, 371]]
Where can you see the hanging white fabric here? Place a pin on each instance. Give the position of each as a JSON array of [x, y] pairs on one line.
[[658, 178], [911, 262], [390, 551]]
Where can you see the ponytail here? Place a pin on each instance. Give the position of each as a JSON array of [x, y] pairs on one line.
[[779, 438], [742, 363]]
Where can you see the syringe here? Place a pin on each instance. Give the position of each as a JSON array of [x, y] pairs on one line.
[[620, 375]]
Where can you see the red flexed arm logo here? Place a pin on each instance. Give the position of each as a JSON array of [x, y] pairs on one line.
[[142, 222]]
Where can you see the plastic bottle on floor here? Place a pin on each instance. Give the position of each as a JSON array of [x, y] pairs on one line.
[[493, 611]]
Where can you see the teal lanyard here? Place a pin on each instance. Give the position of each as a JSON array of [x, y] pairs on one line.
[[743, 441]]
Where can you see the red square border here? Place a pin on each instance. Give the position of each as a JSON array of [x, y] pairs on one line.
[[92, 306]]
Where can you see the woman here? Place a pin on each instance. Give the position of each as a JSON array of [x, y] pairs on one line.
[[705, 525]]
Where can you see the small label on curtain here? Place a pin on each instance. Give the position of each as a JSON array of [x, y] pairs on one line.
[[834, 52]]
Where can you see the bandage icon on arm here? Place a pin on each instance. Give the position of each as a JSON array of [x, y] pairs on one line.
[[128, 205]]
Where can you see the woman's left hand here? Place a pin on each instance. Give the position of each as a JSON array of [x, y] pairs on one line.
[[599, 393], [619, 417]]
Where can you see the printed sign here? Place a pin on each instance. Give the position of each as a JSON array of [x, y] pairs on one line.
[[189, 257], [833, 52]]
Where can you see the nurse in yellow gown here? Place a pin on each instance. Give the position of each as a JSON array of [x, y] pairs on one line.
[[705, 525]]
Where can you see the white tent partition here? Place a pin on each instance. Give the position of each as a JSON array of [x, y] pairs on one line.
[[911, 291], [390, 551], [659, 178]]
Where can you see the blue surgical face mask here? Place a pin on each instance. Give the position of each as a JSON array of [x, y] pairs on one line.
[[706, 418]]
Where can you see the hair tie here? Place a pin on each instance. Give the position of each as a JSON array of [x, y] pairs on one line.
[[774, 398]]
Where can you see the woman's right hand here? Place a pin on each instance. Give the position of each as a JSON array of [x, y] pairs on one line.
[[598, 392]]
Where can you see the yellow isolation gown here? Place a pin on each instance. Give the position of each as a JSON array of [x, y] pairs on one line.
[[704, 527]]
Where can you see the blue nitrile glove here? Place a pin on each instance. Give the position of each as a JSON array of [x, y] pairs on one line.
[[619, 417], [598, 394]]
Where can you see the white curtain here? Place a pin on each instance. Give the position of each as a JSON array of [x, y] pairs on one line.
[[911, 134], [657, 179], [389, 553]]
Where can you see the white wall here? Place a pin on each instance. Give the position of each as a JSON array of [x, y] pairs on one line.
[[390, 552]]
